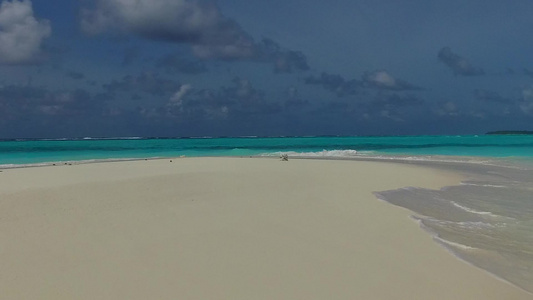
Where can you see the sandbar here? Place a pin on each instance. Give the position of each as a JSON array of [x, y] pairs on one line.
[[225, 228]]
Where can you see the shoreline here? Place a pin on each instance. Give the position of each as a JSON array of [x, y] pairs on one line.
[[254, 177], [392, 158]]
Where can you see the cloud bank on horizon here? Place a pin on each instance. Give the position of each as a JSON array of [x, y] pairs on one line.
[[200, 67]]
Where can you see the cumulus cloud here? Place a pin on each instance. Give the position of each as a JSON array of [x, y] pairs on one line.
[[448, 108], [382, 80], [335, 83], [393, 106], [458, 64], [200, 24], [243, 89], [240, 100], [246, 99], [285, 61], [25, 101], [177, 98], [21, 34], [377, 80]]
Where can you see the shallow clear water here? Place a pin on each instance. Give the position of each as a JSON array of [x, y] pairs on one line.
[[39, 151], [486, 221]]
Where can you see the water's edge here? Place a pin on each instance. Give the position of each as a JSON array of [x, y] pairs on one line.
[[485, 221]]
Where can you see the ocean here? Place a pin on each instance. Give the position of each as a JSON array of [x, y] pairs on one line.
[[25, 152], [486, 221]]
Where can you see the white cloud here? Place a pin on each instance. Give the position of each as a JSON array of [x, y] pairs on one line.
[[242, 49], [383, 80], [21, 34], [458, 64], [177, 99], [173, 17], [447, 109], [198, 23]]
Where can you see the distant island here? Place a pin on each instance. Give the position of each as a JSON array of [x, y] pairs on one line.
[[510, 132]]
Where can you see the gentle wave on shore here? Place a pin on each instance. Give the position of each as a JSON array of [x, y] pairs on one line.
[[486, 221]]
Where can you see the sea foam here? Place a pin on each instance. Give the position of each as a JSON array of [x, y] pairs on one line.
[[323, 153]]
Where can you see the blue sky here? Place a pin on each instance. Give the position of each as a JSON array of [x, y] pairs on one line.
[[73, 68]]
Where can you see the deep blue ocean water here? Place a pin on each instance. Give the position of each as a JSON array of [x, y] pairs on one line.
[[486, 221]]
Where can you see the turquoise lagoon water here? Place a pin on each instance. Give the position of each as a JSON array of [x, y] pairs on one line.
[[486, 221], [21, 152]]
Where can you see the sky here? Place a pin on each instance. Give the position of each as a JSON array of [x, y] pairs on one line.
[[175, 68]]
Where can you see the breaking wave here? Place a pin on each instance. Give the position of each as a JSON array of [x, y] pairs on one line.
[[323, 153]]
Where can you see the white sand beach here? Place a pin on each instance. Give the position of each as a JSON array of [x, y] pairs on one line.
[[225, 228]]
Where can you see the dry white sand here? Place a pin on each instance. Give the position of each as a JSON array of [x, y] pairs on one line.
[[225, 228]]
